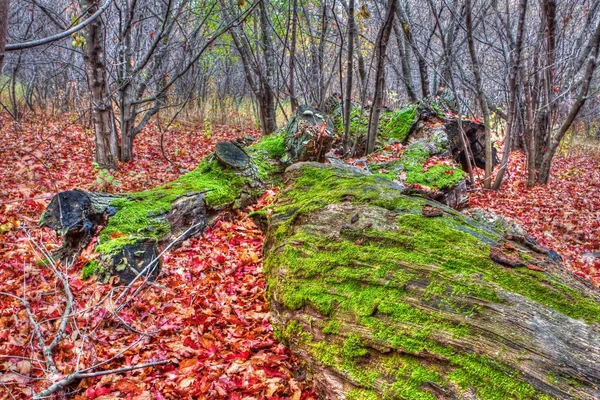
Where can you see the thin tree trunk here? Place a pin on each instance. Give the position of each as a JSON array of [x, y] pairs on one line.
[[512, 90], [421, 62], [362, 69], [406, 73], [349, 73], [487, 182], [380, 50], [4, 4], [293, 98], [270, 122], [93, 55]]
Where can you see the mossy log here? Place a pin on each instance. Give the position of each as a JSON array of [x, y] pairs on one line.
[[387, 296], [136, 226], [132, 228]]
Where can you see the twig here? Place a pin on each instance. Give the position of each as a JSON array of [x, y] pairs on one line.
[[66, 381]]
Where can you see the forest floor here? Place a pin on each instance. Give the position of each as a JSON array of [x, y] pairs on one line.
[[209, 307]]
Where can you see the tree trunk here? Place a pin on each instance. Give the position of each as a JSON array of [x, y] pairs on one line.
[[268, 96], [421, 62], [293, 98], [4, 5], [404, 64], [515, 62], [380, 49], [349, 72], [397, 297], [480, 97], [93, 55]]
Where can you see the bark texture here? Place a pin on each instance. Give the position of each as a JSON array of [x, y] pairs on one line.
[[3, 28], [388, 296], [107, 146]]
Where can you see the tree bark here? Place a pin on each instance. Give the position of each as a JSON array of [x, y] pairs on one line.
[[515, 62], [405, 66], [106, 141], [269, 110], [4, 6], [349, 75], [487, 182], [293, 98], [380, 49], [408, 299], [421, 62]]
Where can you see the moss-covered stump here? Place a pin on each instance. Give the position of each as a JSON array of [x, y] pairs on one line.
[[386, 296], [308, 135], [430, 115], [137, 225]]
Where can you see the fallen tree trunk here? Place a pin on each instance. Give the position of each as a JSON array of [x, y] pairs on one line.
[[383, 295], [134, 227]]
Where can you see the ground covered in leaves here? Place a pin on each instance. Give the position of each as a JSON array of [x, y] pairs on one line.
[[207, 314], [564, 216]]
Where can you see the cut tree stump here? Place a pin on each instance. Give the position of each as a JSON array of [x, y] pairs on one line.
[[388, 296]]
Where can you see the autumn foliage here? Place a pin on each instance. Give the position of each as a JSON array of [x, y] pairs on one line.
[[206, 315]]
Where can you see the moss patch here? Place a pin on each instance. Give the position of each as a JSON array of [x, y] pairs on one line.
[[272, 144], [437, 177], [399, 124], [90, 269], [141, 214]]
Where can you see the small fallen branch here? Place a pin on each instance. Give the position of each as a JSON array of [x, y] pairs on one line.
[[66, 381]]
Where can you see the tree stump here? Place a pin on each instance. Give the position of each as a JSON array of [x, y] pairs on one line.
[[387, 296], [308, 136]]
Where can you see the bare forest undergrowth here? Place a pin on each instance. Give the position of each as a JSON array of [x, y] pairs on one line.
[[207, 312]]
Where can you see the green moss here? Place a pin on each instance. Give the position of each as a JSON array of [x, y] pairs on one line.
[[410, 375], [438, 177], [491, 380], [266, 155], [90, 269], [526, 257], [318, 187], [418, 241], [332, 355], [399, 124], [272, 144], [141, 214], [362, 394], [258, 213], [332, 327], [353, 348], [295, 330], [399, 284]]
